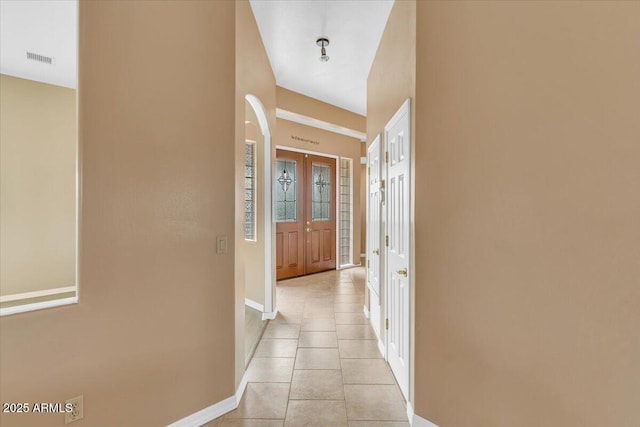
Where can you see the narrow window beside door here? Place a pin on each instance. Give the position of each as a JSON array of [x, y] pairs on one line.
[[250, 190], [346, 209]]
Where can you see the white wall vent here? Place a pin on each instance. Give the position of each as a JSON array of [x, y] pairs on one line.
[[40, 58]]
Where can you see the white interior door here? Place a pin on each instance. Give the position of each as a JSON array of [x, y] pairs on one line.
[[374, 209], [398, 144]]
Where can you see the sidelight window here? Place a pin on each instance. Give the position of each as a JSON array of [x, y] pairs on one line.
[[250, 190]]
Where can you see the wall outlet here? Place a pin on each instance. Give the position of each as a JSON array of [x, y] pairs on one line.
[[76, 413]]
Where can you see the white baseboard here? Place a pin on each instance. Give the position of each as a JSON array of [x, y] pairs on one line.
[[207, 414], [37, 294], [366, 311], [270, 315], [417, 420], [254, 305], [214, 411], [410, 413], [241, 387], [37, 306], [381, 348]]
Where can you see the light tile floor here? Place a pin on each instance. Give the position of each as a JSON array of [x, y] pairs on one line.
[[318, 362]]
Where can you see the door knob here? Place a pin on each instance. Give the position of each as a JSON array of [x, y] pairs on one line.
[[402, 272], [376, 251], [308, 229]]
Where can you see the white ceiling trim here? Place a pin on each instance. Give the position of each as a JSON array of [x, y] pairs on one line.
[[320, 124]]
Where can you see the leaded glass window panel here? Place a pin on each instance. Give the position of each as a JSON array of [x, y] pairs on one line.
[[286, 191], [346, 214], [320, 192], [250, 190]]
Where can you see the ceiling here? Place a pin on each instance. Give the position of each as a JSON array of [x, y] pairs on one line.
[[289, 30], [48, 28]]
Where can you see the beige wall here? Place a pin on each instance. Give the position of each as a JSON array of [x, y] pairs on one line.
[[391, 81], [311, 107], [528, 214], [392, 77], [152, 338], [38, 186], [328, 143], [253, 76]]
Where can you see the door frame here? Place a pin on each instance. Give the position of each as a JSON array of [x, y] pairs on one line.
[[375, 314], [405, 108], [337, 207], [269, 310]]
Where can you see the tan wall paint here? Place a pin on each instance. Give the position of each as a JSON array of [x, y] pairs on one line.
[[391, 81], [38, 186], [528, 214], [329, 143], [311, 107], [151, 340], [253, 76]]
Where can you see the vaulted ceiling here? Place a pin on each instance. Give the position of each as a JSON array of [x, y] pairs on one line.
[[289, 30]]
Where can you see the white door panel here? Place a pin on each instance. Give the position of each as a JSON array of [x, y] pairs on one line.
[[398, 270]]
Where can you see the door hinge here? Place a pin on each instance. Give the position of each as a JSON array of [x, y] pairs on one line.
[[386, 240], [386, 324], [382, 184], [386, 157], [368, 263]]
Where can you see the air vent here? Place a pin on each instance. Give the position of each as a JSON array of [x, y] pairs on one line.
[[40, 58]]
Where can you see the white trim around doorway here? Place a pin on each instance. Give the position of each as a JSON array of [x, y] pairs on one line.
[[269, 271]]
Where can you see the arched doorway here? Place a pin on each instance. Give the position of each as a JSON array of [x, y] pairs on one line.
[[259, 271]]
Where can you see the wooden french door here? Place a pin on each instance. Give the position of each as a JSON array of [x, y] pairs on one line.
[[320, 212], [305, 210], [289, 214]]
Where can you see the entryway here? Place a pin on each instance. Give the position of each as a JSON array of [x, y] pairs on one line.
[[305, 213]]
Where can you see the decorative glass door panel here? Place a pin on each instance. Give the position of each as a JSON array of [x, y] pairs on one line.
[[321, 189], [286, 195]]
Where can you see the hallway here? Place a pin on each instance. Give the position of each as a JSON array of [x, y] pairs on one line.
[[318, 362]]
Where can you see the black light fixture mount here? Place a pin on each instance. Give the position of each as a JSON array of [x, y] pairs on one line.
[[322, 42]]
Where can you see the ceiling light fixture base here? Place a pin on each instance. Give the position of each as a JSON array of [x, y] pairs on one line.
[[322, 42]]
